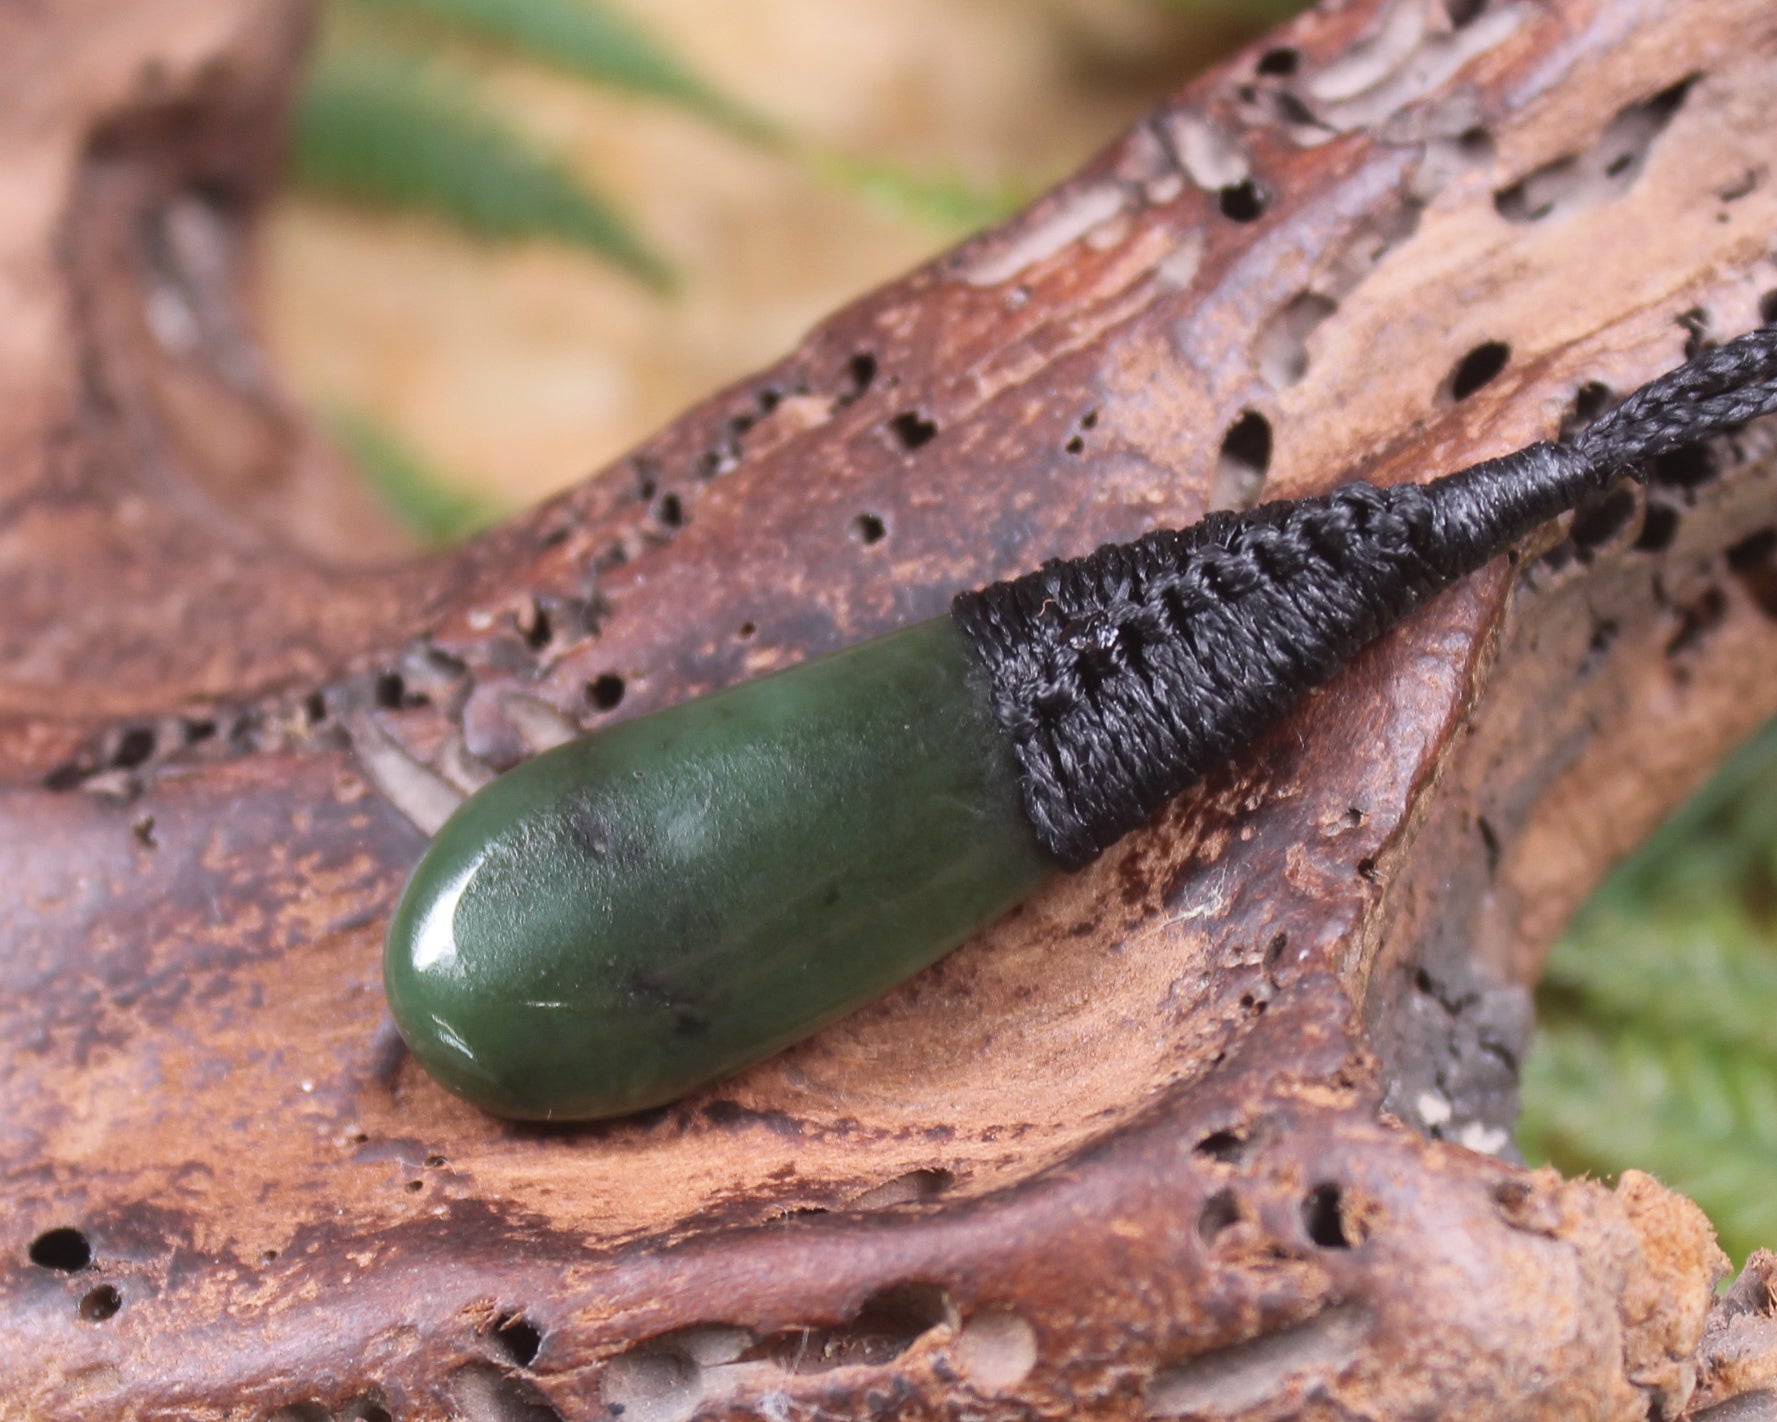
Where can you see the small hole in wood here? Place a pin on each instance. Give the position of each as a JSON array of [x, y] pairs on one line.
[[868, 529], [1229, 1146], [886, 1326], [65, 1250], [1282, 345], [747, 631], [912, 1187], [1489, 842], [1464, 13], [1323, 1217], [1601, 519], [1659, 526], [1697, 620], [605, 693], [1244, 201], [1280, 63], [862, 370], [1076, 445], [1689, 467], [1248, 443], [390, 691], [912, 430], [1767, 308], [1589, 402], [101, 1303], [519, 1338], [1753, 560], [133, 747], [1696, 325], [1477, 368], [67, 776], [537, 637], [1220, 1211], [670, 510]]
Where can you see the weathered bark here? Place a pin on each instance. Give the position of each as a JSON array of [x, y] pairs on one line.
[[1213, 1129]]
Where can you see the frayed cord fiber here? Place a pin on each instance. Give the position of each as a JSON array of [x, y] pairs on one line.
[[1122, 677]]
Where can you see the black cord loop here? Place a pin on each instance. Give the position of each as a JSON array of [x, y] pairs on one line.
[[1123, 676]]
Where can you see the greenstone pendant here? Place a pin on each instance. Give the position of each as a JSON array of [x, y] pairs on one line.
[[630, 916]]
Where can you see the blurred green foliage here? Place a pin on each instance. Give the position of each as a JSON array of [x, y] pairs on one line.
[[439, 509], [589, 40], [377, 128], [1657, 1020]]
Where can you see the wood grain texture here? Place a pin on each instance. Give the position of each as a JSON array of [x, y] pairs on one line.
[[1212, 1130]]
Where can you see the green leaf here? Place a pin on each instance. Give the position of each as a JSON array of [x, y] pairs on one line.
[[592, 40], [374, 128], [945, 201], [436, 507]]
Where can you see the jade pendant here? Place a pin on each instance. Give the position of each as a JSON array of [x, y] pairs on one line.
[[628, 917]]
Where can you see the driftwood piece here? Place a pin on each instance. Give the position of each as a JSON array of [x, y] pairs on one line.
[[1217, 1129]]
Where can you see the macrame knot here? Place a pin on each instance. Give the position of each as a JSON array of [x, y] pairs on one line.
[[1121, 677]]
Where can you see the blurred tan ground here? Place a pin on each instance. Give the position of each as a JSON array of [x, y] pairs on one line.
[[522, 369]]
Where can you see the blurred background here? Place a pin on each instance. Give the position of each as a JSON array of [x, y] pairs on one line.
[[521, 235]]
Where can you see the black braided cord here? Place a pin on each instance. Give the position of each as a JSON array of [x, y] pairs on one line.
[[1123, 676]]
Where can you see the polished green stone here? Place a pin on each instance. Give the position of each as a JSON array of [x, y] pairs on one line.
[[630, 916]]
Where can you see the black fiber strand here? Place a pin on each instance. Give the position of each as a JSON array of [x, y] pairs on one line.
[[1123, 676]]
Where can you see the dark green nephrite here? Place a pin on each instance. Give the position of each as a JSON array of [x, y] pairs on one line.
[[630, 916]]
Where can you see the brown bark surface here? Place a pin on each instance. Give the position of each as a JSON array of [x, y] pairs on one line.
[[1213, 1130]]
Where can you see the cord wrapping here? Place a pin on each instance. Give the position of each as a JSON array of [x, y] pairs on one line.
[[1123, 676]]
